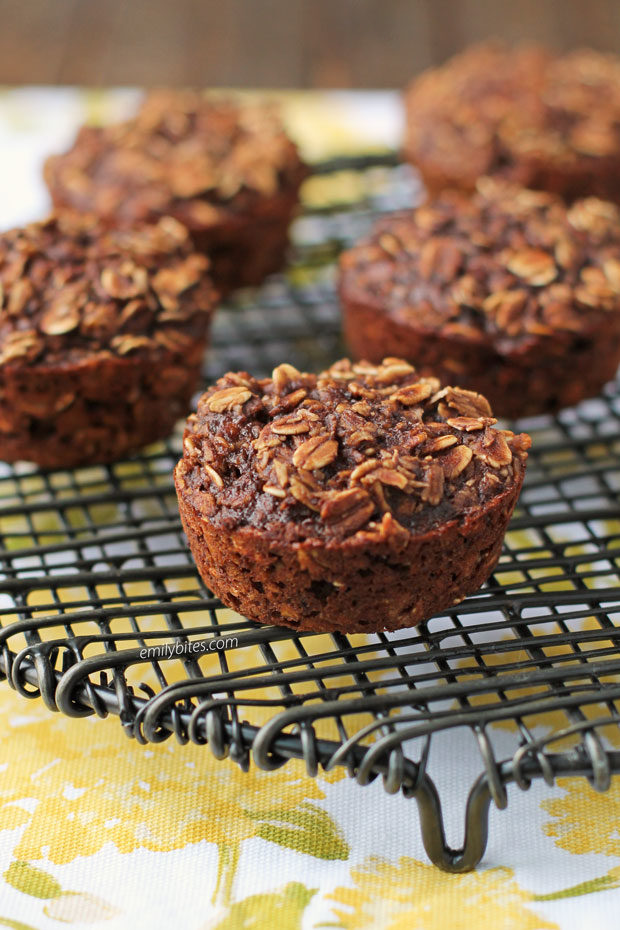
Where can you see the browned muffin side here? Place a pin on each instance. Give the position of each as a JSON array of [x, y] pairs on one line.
[[101, 338], [506, 292], [225, 170], [362, 498], [543, 121]]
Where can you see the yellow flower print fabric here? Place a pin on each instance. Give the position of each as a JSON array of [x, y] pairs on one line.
[[409, 895]]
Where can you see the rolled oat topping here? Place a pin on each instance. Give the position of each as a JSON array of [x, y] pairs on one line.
[[69, 289], [183, 153], [492, 107], [356, 449], [503, 266]]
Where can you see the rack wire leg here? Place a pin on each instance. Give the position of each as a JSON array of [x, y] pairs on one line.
[[433, 833]]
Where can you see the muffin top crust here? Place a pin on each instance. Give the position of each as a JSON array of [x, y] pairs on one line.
[[70, 291], [358, 451], [495, 109], [505, 266], [185, 154]]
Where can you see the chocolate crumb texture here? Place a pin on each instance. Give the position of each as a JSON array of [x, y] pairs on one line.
[[225, 169], [524, 114], [102, 334], [506, 291], [366, 497]]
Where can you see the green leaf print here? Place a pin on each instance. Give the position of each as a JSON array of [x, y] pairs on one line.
[[306, 829], [14, 924], [283, 909], [30, 880], [602, 883]]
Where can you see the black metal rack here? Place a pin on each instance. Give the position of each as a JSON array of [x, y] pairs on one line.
[[94, 573]]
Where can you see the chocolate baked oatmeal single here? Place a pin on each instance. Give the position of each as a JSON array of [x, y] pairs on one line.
[[362, 498], [226, 170], [101, 338], [507, 292], [543, 121]]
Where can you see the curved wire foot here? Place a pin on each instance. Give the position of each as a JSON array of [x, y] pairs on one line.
[[467, 858]]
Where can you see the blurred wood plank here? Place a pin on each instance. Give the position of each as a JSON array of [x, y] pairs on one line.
[[446, 28], [148, 38], [33, 39], [364, 43], [534, 20], [274, 43], [241, 43], [595, 23], [89, 43]]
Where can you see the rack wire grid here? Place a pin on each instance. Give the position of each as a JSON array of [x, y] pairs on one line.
[[102, 610]]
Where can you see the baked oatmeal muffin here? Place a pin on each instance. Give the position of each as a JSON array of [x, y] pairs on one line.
[[101, 338], [523, 114], [507, 292], [364, 498], [226, 170]]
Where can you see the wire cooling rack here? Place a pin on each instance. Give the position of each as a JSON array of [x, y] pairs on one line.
[[102, 611]]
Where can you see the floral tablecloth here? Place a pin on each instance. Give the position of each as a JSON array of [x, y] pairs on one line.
[[98, 830]]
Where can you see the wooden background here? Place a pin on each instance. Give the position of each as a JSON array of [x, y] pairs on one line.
[[273, 43]]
